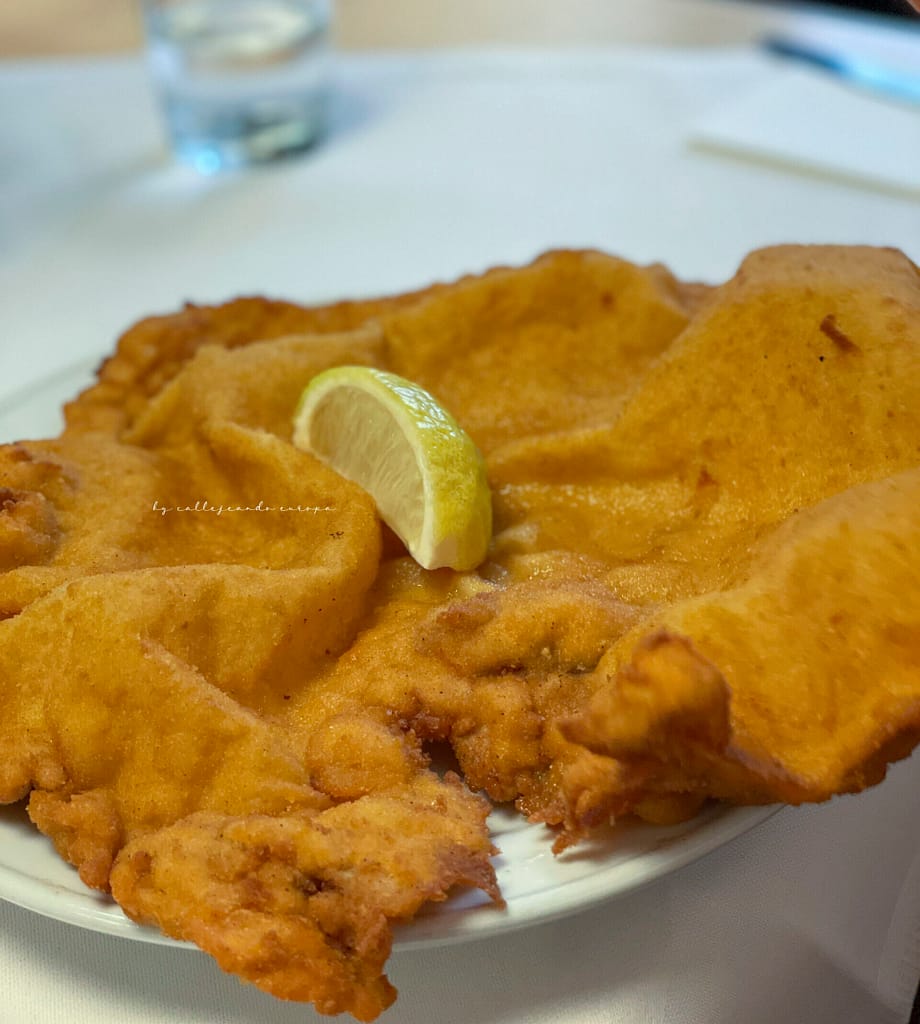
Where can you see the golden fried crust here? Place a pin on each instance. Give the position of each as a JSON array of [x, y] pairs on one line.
[[30, 530], [800, 683], [546, 348], [753, 413], [153, 351], [525, 652], [140, 653], [303, 905], [86, 830], [578, 292]]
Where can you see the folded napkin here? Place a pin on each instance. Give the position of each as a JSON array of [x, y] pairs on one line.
[[805, 122]]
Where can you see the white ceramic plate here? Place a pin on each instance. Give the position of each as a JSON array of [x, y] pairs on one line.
[[537, 886]]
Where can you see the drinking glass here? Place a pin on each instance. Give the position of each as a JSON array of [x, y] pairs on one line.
[[240, 81]]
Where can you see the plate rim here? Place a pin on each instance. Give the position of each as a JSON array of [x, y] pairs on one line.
[[711, 830]]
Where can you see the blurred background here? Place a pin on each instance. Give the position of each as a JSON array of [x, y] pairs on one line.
[[895, 7], [40, 27]]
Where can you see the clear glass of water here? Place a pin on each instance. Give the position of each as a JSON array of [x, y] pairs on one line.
[[240, 81]]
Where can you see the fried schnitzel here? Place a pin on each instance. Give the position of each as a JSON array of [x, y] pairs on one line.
[[703, 583]]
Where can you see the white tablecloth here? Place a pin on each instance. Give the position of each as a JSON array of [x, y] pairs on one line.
[[439, 165]]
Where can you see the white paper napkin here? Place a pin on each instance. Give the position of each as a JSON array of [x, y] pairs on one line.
[[811, 123]]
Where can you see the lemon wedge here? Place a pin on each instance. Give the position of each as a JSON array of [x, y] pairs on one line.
[[392, 438]]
